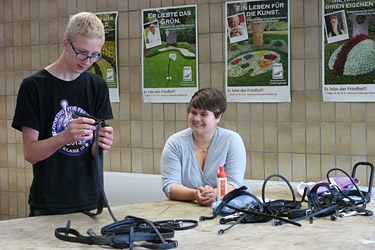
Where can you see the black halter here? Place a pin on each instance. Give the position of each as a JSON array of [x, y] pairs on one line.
[[332, 203], [124, 233], [335, 202], [261, 212], [280, 207]]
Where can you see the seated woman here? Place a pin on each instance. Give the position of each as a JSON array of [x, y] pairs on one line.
[[191, 158]]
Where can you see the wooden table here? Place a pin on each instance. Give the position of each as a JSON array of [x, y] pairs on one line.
[[356, 232]]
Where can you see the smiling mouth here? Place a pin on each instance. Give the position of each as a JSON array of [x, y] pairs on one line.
[[197, 125], [81, 67]]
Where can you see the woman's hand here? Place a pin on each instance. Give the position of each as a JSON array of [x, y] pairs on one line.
[[205, 196]]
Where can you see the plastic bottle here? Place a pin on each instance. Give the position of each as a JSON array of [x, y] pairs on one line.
[[221, 183]]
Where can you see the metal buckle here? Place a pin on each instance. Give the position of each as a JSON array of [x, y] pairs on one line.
[[232, 216], [178, 223], [275, 222], [308, 212], [347, 214]]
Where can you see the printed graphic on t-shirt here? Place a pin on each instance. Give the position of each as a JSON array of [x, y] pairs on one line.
[[61, 121]]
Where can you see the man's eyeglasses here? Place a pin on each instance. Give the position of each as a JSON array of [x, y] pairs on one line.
[[83, 56]]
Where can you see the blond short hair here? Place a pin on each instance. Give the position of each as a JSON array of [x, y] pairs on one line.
[[86, 24]]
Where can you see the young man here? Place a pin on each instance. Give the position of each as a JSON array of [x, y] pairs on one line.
[[60, 147]]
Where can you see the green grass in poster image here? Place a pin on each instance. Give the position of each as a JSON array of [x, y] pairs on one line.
[[156, 71], [332, 79]]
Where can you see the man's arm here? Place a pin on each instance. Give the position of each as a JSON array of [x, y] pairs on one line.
[[37, 150]]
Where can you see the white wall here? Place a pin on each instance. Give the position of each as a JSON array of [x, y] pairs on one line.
[[129, 188]]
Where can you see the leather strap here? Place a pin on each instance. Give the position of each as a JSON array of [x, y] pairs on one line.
[[102, 199], [334, 202], [280, 207], [123, 234], [230, 196], [99, 172], [367, 194], [176, 224]]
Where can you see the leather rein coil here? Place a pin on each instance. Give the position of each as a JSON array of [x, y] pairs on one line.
[[122, 233]]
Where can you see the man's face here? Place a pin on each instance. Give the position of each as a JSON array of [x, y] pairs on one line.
[[236, 21], [87, 46]]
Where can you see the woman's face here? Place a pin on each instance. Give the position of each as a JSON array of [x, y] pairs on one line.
[[334, 22], [203, 121]]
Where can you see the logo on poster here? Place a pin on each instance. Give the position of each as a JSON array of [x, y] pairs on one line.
[[110, 77], [277, 71], [187, 74]]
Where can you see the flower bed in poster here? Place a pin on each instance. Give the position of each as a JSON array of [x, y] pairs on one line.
[[257, 62], [353, 58]]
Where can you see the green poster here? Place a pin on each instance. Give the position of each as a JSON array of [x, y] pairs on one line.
[[169, 54], [257, 51], [348, 50], [107, 66]]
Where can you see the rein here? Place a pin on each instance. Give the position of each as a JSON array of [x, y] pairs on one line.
[[102, 199], [334, 203], [261, 212], [124, 233]]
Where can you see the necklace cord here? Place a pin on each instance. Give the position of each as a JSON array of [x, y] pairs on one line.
[[199, 146]]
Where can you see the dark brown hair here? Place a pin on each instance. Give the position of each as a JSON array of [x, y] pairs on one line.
[[208, 99]]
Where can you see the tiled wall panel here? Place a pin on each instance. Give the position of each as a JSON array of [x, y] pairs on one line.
[[301, 140]]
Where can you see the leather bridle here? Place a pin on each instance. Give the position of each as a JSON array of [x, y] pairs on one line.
[[334, 203], [122, 233]]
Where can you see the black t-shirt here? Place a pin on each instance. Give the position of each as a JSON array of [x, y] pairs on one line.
[[65, 181]]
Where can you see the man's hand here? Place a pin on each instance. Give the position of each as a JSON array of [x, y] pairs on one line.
[[36, 150], [105, 139], [80, 129]]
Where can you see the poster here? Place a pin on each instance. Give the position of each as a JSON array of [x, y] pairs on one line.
[[348, 51], [107, 66], [169, 54], [257, 51]]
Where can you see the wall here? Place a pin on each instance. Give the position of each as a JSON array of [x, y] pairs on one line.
[[300, 140]]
